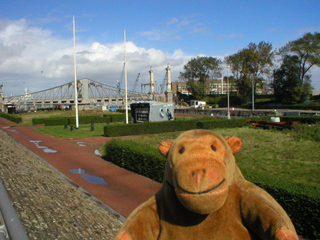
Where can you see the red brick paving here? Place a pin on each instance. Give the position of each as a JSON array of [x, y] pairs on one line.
[[125, 190]]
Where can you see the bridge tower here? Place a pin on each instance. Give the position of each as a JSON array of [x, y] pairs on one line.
[[168, 92], [152, 90], [83, 90]]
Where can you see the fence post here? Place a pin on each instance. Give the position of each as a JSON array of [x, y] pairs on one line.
[[11, 221]]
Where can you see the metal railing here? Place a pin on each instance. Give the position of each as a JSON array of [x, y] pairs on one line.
[[12, 227]]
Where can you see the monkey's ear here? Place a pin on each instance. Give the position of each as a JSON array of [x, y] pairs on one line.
[[234, 143], [165, 146]]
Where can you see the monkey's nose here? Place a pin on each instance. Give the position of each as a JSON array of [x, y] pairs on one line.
[[198, 175]]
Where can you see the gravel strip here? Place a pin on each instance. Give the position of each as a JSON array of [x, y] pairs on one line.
[[48, 204]]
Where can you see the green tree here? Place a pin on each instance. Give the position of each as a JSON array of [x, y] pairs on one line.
[[292, 83], [288, 88], [307, 49], [197, 72], [251, 65]]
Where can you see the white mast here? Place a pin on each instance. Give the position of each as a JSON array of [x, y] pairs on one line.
[[75, 74], [125, 76], [222, 83]]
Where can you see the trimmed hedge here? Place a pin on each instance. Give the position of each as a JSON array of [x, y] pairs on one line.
[[172, 126], [87, 119], [121, 110], [138, 158], [37, 121], [302, 119], [298, 107], [302, 203], [117, 117], [147, 128], [55, 121], [11, 117], [51, 121]]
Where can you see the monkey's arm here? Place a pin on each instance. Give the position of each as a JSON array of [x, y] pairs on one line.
[[263, 214], [142, 223]]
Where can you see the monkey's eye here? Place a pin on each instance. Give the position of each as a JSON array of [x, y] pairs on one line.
[[181, 150], [213, 148]]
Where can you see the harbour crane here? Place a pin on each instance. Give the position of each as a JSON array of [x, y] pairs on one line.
[[135, 83], [119, 82]]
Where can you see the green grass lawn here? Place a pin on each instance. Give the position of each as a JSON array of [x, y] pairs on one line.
[[281, 154], [268, 152]]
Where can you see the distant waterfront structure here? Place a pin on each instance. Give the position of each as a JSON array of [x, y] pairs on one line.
[[90, 95], [152, 91], [168, 92], [215, 87]]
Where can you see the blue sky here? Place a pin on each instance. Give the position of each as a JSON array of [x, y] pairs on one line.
[[36, 36]]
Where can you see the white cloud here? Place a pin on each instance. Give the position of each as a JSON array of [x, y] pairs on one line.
[[185, 22], [175, 28], [154, 34], [172, 21], [232, 35], [31, 57], [203, 30]]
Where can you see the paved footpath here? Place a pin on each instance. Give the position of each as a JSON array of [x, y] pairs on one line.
[[64, 185]]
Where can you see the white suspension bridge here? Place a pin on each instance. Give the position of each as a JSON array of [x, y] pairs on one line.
[[91, 94]]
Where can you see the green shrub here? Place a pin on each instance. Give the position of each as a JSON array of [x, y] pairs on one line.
[[148, 128], [298, 106], [302, 119], [100, 120], [234, 101], [117, 117], [55, 121], [51, 121], [120, 118], [121, 110], [138, 158], [172, 126], [302, 203], [117, 130], [11, 117], [37, 121], [306, 131], [222, 123], [83, 119]]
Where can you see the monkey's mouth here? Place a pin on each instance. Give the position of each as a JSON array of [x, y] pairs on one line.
[[202, 192]]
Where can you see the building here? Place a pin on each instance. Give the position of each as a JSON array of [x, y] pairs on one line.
[[315, 93], [219, 86], [181, 87], [216, 87]]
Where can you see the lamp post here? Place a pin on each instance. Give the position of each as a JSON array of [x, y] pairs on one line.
[[126, 78], [252, 92], [228, 114], [75, 74]]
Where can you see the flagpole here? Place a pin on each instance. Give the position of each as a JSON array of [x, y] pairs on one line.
[[75, 74], [125, 76]]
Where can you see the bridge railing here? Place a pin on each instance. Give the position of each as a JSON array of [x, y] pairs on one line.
[[12, 227]]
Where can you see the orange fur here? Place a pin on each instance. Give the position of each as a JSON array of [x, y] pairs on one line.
[[205, 196]]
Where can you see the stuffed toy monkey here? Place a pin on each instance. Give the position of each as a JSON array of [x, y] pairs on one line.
[[205, 196]]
